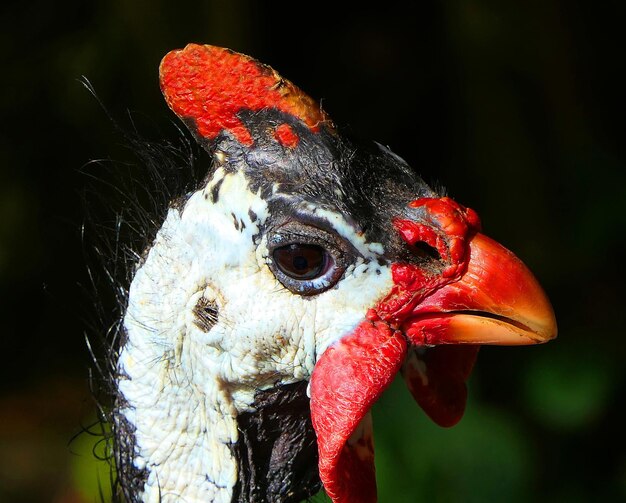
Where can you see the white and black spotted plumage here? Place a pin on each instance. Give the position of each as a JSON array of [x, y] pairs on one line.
[[280, 253], [215, 251]]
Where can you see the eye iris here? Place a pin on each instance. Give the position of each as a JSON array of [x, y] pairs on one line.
[[301, 261]]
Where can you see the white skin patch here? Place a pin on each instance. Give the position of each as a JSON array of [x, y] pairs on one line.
[[185, 386]]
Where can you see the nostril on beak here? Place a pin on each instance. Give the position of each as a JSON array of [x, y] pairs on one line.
[[422, 250]]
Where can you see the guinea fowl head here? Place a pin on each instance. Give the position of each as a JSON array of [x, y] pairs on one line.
[[279, 300]]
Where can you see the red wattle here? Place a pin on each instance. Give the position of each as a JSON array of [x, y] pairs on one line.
[[436, 377], [347, 380]]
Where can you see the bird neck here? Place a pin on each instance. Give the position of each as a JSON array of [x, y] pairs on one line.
[[277, 449], [183, 429]]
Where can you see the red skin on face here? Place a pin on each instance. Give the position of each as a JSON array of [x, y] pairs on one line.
[[351, 374], [473, 294]]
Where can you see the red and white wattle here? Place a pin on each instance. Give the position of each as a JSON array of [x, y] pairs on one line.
[[429, 326]]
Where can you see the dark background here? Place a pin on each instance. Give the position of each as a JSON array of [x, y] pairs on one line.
[[516, 107]]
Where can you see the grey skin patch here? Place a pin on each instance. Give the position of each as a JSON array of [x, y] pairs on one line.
[[207, 313]]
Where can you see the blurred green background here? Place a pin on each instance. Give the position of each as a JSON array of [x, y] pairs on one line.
[[516, 107]]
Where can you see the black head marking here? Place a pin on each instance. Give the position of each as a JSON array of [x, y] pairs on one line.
[[235, 220], [215, 190], [364, 181]]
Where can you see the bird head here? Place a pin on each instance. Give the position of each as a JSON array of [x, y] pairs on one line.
[[280, 299]]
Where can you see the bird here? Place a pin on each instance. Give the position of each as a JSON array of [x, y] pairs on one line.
[[282, 295]]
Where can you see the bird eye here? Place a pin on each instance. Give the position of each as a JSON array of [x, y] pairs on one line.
[[302, 261], [307, 259]]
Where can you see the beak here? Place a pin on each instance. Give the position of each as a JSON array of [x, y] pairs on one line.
[[496, 300]]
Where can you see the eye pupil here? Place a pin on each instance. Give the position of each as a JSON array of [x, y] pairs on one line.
[[300, 261]]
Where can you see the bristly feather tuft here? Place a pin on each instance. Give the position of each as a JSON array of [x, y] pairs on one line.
[[125, 201]]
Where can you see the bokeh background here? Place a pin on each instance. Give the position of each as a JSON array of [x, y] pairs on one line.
[[516, 107]]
